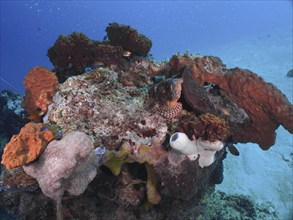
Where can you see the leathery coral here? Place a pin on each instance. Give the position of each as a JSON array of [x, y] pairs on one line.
[[265, 105], [26, 146], [41, 85]]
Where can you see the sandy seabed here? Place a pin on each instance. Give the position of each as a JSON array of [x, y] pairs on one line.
[[266, 176]]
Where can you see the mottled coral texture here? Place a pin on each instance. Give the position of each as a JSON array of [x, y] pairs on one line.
[[68, 164], [26, 146], [128, 38], [41, 85], [71, 54], [265, 105]]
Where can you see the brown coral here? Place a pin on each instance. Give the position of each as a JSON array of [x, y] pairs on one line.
[[128, 38], [26, 146], [41, 85], [214, 128], [71, 54], [265, 105]]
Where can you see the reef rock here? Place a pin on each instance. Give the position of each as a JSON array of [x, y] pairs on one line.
[[41, 84], [265, 105], [26, 146]]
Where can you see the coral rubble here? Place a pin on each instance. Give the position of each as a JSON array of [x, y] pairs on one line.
[[117, 111]]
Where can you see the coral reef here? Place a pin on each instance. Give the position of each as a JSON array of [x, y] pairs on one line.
[[41, 85], [261, 106], [115, 112], [26, 146], [71, 55], [193, 148], [128, 38], [11, 116]]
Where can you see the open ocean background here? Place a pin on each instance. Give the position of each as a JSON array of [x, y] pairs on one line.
[[255, 35]]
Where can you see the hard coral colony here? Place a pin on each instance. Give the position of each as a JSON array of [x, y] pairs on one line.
[[120, 113]]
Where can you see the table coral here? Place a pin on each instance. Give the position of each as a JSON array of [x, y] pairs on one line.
[[41, 85], [26, 146], [128, 38]]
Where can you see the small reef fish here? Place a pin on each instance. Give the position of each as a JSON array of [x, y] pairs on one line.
[[88, 69], [35, 115], [98, 64], [59, 135], [233, 150], [225, 111], [44, 129], [100, 153], [126, 53]]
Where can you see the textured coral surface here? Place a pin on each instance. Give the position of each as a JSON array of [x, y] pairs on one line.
[[26, 146], [68, 164], [41, 85], [128, 38], [114, 99], [265, 105]]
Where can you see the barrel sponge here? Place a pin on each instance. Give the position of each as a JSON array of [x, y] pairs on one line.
[[181, 143], [68, 164]]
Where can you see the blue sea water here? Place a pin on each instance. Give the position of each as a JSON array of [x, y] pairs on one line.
[[29, 28], [256, 35]]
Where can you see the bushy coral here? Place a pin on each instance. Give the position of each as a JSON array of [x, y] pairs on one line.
[[128, 38], [211, 128], [71, 54]]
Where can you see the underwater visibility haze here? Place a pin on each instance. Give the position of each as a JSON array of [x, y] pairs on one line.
[[146, 110]]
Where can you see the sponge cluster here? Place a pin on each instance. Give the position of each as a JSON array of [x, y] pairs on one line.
[[206, 150]]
